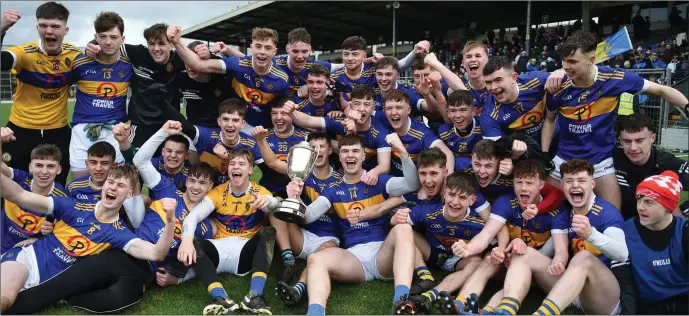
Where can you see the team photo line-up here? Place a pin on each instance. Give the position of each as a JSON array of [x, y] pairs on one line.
[[517, 177]]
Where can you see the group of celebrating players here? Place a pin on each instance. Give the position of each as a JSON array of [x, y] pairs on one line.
[[508, 176]]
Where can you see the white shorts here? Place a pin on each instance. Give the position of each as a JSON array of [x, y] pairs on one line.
[[79, 146], [600, 169], [616, 311], [27, 257], [312, 242], [450, 263], [367, 254], [229, 250]]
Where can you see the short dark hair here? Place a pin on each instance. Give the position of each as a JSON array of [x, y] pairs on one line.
[[459, 98], [318, 135], [156, 32], [387, 61], [354, 43], [192, 45], [280, 102], [351, 140], [102, 149], [52, 10], [635, 123], [431, 157], [240, 152], [486, 149], [46, 152], [362, 91], [579, 40], [299, 35], [177, 138], [317, 70], [397, 95], [231, 106], [495, 63], [529, 168], [418, 63], [106, 21], [576, 165], [463, 181], [202, 170]]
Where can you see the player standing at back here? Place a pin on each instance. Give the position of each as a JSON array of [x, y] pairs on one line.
[[39, 112], [587, 104]]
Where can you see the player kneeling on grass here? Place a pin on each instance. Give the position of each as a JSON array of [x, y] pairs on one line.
[[446, 224], [76, 234], [598, 242], [370, 252], [242, 244], [658, 247]]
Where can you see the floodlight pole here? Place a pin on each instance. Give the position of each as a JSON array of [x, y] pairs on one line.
[[394, 28], [528, 29]]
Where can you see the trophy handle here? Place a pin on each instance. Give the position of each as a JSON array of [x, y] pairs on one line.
[[313, 163]]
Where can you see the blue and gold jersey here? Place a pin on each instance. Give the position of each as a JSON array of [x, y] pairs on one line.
[[345, 196], [535, 232], [233, 214], [207, 138], [19, 224], [155, 219], [373, 138], [296, 80], [314, 186], [461, 143], [442, 232], [305, 106], [587, 114], [524, 115], [417, 139], [601, 215], [83, 191], [272, 180], [258, 90], [101, 90], [481, 97], [500, 186], [379, 99], [40, 100], [367, 77], [78, 233], [179, 178]]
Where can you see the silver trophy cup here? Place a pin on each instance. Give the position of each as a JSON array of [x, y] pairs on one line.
[[300, 162]]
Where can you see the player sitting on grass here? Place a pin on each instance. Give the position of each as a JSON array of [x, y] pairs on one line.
[[445, 224], [530, 253], [658, 246], [19, 224], [370, 252], [78, 232], [242, 244], [598, 242]]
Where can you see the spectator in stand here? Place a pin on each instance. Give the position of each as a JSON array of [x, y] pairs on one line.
[[657, 63], [533, 65], [668, 53]]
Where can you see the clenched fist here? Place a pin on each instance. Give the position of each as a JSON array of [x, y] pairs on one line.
[[9, 18], [402, 215], [170, 205]]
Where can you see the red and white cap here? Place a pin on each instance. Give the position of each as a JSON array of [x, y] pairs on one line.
[[664, 188]]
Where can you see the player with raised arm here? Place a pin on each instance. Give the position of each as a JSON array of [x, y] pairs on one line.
[[598, 243], [101, 96], [242, 244], [368, 253], [318, 235], [39, 111], [638, 159], [255, 79], [584, 108], [659, 247], [462, 129], [77, 234], [20, 224], [378, 152], [538, 247], [413, 133]]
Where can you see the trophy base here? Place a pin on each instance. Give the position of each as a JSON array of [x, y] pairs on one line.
[[292, 211]]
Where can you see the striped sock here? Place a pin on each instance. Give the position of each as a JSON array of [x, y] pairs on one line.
[[432, 295], [400, 291], [258, 282], [316, 309], [548, 308], [216, 290], [488, 309], [423, 273], [300, 287], [459, 301], [287, 256], [510, 305]]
